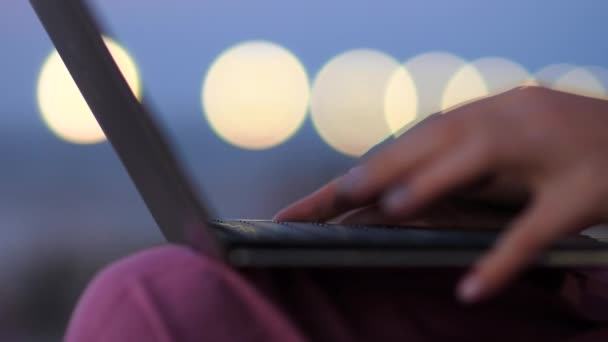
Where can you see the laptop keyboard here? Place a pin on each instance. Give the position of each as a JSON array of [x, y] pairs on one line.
[[305, 233], [274, 232]]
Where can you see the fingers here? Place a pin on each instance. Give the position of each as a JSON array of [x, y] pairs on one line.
[[400, 160], [393, 161], [449, 213], [459, 166], [391, 139], [368, 216], [311, 208], [426, 142], [322, 205], [506, 192], [549, 218], [362, 185]]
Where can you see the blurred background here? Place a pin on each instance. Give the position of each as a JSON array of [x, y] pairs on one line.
[[265, 101]]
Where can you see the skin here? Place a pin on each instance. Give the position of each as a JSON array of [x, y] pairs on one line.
[[541, 151]]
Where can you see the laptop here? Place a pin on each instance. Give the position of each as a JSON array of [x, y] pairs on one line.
[[185, 218]]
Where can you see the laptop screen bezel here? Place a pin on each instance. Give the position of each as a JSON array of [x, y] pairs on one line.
[[140, 143]]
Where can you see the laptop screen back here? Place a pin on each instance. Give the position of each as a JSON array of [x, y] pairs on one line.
[[139, 142]]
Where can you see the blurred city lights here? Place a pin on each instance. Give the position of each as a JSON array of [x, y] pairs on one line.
[[400, 101], [601, 74], [256, 95], [580, 81], [431, 72], [548, 75], [484, 77], [465, 85], [501, 74], [592, 81], [347, 100], [63, 108]]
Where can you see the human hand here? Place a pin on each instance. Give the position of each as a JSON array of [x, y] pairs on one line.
[[552, 143]]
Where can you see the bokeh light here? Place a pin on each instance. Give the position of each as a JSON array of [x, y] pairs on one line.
[[501, 74], [601, 74], [580, 81], [347, 100], [400, 101], [63, 108], [430, 72], [548, 75], [466, 84], [592, 81], [256, 95], [483, 77]]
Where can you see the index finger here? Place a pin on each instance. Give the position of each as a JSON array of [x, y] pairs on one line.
[[335, 198], [322, 205]]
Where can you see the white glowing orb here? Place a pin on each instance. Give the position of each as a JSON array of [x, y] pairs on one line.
[[501, 74], [484, 77], [466, 84], [580, 81], [400, 101], [431, 73], [348, 100], [256, 95], [601, 74], [63, 108], [548, 75]]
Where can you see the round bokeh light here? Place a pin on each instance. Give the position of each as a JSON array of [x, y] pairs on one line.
[[484, 77], [400, 101], [63, 108], [255, 95], [580, 81], [348, 99]]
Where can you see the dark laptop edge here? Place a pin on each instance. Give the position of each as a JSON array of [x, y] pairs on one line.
[[132, 131]]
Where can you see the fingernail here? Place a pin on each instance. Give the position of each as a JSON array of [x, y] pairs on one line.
[[352, 182], [469, 289], [395, 199]]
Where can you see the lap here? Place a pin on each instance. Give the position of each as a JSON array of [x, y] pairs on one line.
[[173, 294]]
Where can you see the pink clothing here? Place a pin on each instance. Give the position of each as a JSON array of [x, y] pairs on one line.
[[171, 293]]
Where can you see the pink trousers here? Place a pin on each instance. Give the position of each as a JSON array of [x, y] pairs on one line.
[[171, 293]]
